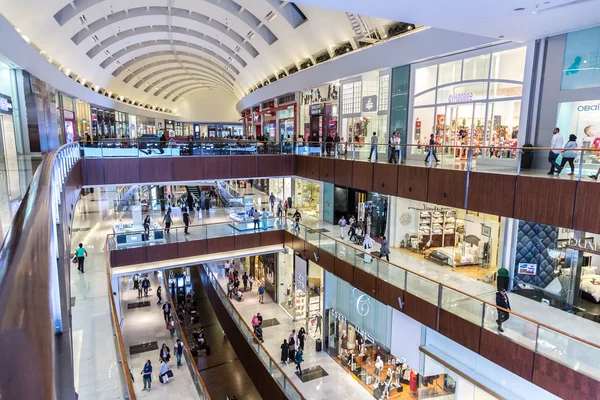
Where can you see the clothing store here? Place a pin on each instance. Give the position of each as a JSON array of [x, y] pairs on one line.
[[369, 209], [319, 111], [364, 106], [479, 98]]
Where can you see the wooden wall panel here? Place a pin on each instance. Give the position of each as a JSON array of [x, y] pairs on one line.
[[298, 245], [365, 282], [507, 354], [389, 294], [121, 170], [192, 248], [344, 270], [135, 255], [188, 168], [220, 245], [545, 200], [343, 172], [362, 176], [310, 250], [447, 187], [247, 241], [385, 179], [326, 261], [244, 167], [287, 165], [460, 330], [312, 168], [156, 169], [288, 239], [217, 167], [587, 213], [413, 182], [300, 165], [161, 252], [420, 310], [563, 381], [492, 193], [271, 237], [327, 170], [93, 171], [269, 165]]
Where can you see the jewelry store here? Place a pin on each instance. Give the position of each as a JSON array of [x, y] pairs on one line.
[[476, 98]]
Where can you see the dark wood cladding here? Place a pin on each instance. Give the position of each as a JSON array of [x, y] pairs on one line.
[[344, 270], [220, 245], [492, 193], [326, 261], [93, 171], [545, 200], [327, 170], [362, 176], [389, 294], [413, 182], [365, 282], [300, 165], [268, 165], [587, 213], [121, 170], [244, 167], [420, 310], [312, 168], [460, 330], [192, 248], [188, 168], [287, 165], [343, 172], [162, 252], [135, 255], [260, 376], [562, 381], [447, 187], [507, 354], [385, 179], [247, 241], [156, 169], [270, 238], [288, 239], [217, 167]]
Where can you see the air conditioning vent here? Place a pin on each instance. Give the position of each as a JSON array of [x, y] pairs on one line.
[[343, 49], [82, 19], [270, 16], [322, 58], [281, 75], [260, 85], [237, 48], [292, 70], [400, 28], [306, 64], [95, 38], [250, 35], [272, 79]]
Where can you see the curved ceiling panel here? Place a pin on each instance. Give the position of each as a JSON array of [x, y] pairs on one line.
[[209, 70], [147, 56], [174, 84], [95, 26], [179, 43], [162, 86], [185, 93], [185, 88], [94, 51], [184, 72]]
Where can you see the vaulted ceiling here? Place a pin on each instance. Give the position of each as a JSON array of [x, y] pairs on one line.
[[161, 51]]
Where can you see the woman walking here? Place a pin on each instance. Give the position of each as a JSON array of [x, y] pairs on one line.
[[385, 249], [159, 295], [569, 155], [285, 351], [299, 360]]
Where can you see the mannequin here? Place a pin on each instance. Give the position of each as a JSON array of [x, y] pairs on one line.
[[378, 369], [388, 383], [344, 343]]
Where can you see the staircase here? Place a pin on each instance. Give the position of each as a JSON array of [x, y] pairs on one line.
[[194, 191], [361, 29]]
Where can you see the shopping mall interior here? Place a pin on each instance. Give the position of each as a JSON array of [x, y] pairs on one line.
[[261, 199]]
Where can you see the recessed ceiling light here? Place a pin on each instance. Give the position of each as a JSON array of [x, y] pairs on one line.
[[520, 9], [270, 16], [250, 35]]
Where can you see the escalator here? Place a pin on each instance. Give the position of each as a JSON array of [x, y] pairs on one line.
[[194, 191]]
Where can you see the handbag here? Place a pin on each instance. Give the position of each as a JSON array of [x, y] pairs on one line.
[[75, 260], [169, 373]]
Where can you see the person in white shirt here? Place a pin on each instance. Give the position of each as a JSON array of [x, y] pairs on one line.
[[374, 143], [342, 223], [396, 148], [556, 144], [227, 266]]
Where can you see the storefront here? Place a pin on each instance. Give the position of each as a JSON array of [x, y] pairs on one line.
[[364, 107], [67, 124], [369, 209], [103, 123], [581, 118], [121, 124], [145, 125], [319, 111], [9, 123], [83, 117], [471, 99], [307, 197]]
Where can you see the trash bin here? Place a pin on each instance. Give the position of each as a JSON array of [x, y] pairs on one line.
[[319, 344]]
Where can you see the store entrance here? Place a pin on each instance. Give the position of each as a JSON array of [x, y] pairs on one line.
[[460, 125]]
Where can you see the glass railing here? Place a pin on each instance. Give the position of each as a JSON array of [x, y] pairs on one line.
[[271, 364], [501, 158]]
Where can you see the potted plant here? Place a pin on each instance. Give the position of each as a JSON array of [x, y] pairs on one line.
[[502, 281], [527, 156]]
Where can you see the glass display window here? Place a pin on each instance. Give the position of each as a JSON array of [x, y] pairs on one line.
[[449, 72], [425, 78], [509, 64], [581, 118], [476, 67], [581, 66]]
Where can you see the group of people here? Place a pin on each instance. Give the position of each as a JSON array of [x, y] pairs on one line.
[[292, 349], [355, 233], [143, 286], [257, 216]]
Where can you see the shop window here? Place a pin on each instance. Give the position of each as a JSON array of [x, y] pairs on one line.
[[509, 64], [502, 129], [351, 98], [423, 125], [581, 65], [476, 67], [384, 89], [580, 118], [449, 72], [462, 93], [425, 78], [425, 99], [499, 90]]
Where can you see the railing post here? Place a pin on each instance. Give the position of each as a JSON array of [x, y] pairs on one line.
[[353, 151], [537, 336], [519, 156], [470, 159], [580, 165]]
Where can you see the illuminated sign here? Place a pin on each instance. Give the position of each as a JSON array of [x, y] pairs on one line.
[[369, 103], [527, 269], [588, 107], [6, 105], [460, 98]]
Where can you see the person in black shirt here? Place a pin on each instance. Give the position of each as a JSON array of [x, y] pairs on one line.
[[328, 143], [502, 301], [431, 150], [186, 220]]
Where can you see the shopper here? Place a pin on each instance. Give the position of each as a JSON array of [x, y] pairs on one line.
[[285, 351], [261, 294], [254, 321], [147, 372], [146, 286], [502, 301], [178, 348], [264, 216], [395, 148], [227, 266], [556, 144], [159, 295], [166, 310], [292, 341], [342, 223], [167, 220], [301, 335], [337, 147], [230, 288], [256, 217], [245, 280], [186, 220], [299, 361], [81, 254], [260, 319], [328, 144], [272, 201], [147, 226], [431, 150], [251, 281], [367, 245], [569, 155], [162, 372], [165, 352], [595, 177], [374, 143], [171, 327], [385, 249], [140, 289], [297, 218], [279, 209]]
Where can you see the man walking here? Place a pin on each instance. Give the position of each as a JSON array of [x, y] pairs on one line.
[[166, 311], [374, 143], [342, 224], [502, 301], [556, 144], [167, 220], [146, 286], [256, 218], [81, 254], [261, 294], [186, 220], [431, 150], [395, 148], [272, 201], [178, 352]]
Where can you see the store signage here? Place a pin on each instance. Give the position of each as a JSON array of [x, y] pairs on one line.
[[300, 274], [460, 98], [369, 104], [527, 269], [362, 302], [68, 114], [317, 95], [316, 109], [587, 245], [588, 107], [368, 337], [6, 105]]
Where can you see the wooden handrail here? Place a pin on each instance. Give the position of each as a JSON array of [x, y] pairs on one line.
[[117, 326]]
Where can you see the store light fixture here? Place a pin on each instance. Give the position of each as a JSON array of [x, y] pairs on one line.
[[270, 16], [95, 38], [82, 19], [250, 35], [520, 9]]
